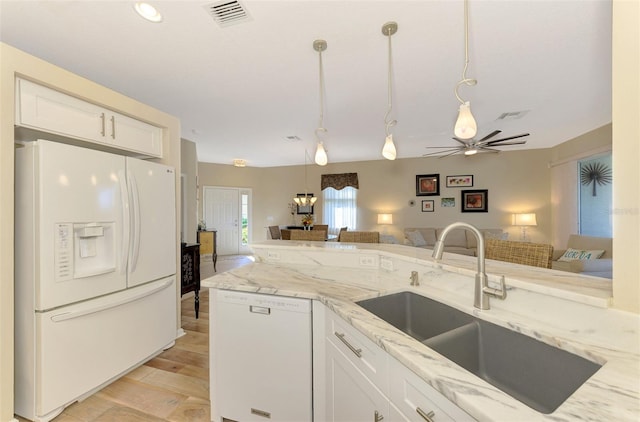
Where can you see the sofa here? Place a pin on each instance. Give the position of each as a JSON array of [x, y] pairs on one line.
[[586, 255], [458, 241]]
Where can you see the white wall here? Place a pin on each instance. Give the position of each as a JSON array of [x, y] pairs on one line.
[[189, 166]]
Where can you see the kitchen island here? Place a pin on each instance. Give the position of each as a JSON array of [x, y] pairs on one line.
[[561, 309]]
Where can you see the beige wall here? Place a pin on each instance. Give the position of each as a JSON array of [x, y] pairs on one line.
[[626, 154], [189, 166], [564, 180], [14, 62], [516, 181]]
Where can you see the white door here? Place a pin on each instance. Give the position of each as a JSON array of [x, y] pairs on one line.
[[152, 249], [222, 213]]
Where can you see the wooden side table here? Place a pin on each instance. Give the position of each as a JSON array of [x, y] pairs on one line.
[[208, 245], [190, 272]]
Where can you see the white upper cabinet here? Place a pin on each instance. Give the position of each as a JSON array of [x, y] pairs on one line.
[[50, 111]]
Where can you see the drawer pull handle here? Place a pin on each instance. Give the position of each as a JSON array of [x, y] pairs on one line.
[[102, 118], [260, 310], [377, 417], [426, 416], [357, 352]]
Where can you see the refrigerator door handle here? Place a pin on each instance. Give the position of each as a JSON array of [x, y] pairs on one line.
[[77, 314], [135, 223], [126, 228]]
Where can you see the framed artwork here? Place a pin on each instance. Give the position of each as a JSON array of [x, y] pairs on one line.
[[304, 209], [427, 184], [427, 205], [460, 181], [448, 202], [475, 201]]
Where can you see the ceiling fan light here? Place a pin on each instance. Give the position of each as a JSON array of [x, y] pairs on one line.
[[321, 155], [389, 149], [466, 127], [471, 151]]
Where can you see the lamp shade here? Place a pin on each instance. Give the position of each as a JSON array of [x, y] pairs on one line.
[[385, 218], [389, 149], [524, 219], [466, 127]]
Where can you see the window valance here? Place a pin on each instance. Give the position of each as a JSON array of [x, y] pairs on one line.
[[339, 181]]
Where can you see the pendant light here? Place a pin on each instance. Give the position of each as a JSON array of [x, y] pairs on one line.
[[321, 154], [465, 127], [389, 149], [307, 199]]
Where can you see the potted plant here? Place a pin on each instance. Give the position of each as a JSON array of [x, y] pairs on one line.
[[307, 220]]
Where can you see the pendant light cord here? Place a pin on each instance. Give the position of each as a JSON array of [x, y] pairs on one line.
[[465, 80], [321, 85], [389, 123]]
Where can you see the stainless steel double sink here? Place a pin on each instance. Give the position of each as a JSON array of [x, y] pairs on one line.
[[535, 373]]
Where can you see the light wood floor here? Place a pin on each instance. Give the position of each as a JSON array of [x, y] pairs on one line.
[[174, 386]]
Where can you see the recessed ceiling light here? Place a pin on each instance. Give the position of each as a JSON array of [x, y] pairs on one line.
[[239, 162], [148, 12]]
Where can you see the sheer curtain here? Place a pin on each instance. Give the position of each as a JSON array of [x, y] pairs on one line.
[[340, 208]]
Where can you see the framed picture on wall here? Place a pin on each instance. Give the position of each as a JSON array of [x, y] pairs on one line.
[[475, 201], [304, 209], [427, 205], [460, 181], [448, 202], [427, 185]]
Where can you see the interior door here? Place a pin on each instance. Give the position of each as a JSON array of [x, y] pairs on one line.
[[222, 213]]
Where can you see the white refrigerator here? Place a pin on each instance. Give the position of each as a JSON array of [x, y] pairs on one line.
[[95, 271]]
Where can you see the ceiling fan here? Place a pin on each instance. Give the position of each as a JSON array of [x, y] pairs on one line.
[[472, 146]]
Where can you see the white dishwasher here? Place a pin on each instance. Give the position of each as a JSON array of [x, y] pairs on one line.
[[260, 357]]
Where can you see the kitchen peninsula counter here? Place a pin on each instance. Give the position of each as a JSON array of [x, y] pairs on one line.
[[564, 310]]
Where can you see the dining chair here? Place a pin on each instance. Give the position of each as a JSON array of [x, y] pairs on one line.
[[308, 235], [286, 233], [321, 227], [360, 237], [342, 230], [275, 232]]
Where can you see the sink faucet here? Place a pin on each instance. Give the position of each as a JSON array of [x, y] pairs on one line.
[[482, 289]]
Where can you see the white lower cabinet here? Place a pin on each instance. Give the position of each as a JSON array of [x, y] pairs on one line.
[[364, 383], [417, 400]]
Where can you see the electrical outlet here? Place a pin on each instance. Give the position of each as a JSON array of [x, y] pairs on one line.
[[273, 256], [368, 261], [386, 263]]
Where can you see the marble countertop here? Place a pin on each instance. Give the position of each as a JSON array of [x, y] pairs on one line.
[[549, 307]]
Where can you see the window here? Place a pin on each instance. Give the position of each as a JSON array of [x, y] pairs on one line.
[[340, 207], [595, 196]]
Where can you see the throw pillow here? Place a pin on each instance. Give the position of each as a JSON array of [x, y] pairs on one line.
[[574, 254], [416, 238]]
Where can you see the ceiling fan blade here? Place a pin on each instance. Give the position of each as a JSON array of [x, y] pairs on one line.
[[451, 153], [491, 135], [492, 150], [449, 147], [506, 143], [455, 150], [507, 138]]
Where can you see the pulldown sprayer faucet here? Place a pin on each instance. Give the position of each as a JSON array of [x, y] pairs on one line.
[[482, 289]]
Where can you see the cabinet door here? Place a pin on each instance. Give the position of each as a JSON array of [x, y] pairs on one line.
[[206, 242], [417, 399], [351, 397], [133, 135], [45, 109]]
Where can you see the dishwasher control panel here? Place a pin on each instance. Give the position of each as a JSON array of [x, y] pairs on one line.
[[289, 304]]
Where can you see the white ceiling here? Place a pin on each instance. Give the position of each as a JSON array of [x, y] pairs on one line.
[[241, 90]]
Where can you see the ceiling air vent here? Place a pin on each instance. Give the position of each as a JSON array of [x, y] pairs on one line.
[[227, 13], [512, 115]]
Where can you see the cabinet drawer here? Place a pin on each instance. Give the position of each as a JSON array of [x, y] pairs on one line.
[[362, 352], [408, 392]]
